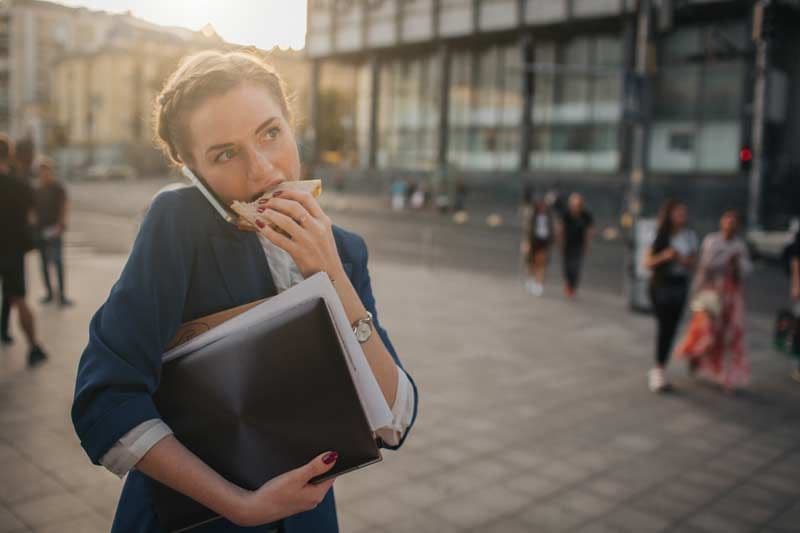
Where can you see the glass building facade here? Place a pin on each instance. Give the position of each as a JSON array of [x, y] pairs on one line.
[[699, 96], [577, 100], [506, 92], [408, 113], [561, 93], [485, 108]]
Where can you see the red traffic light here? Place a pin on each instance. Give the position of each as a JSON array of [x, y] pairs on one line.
[[745, 155]]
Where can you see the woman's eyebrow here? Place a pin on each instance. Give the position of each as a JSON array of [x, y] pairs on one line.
[[219, 147], [259, 129], [265, 124]]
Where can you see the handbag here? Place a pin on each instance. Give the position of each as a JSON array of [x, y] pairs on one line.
[[707, 301]]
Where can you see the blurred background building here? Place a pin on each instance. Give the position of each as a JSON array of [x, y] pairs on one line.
[[81, 83], [628, 101]]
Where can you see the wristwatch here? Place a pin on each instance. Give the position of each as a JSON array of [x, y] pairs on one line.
[[363, 328]]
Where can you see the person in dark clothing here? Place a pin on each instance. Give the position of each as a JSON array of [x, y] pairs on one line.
[[575, 232], [51, 214], [16, 205], [671, 259], [794, 292], [21, 167]]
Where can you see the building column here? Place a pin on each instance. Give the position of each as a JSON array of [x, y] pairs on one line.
[[762, 66], [641, 113], [375, 90], [526, 51], [445, 57], [312, 137]]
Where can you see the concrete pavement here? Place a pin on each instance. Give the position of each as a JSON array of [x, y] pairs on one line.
[[534, 416]]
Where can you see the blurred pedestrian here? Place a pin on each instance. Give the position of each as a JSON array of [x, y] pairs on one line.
[[418, 197], [16, 239], [671, 259], [51, 221], [575, 234], [398, 194], [21, 167], [442, 199], [794, 294], [538, 237], [527, 195], [460, 195], [24, 157], [714, 343]]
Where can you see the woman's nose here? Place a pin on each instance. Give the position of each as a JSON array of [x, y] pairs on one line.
[[260, 166]]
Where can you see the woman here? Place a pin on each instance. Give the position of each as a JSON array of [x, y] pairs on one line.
[[226, 116], [538, 238], [715, 343], [794, 295], [671, 259]]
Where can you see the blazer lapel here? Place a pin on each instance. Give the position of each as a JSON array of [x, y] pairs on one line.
[[243, 268]]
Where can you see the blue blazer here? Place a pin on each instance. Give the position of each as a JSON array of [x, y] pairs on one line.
[[186, 263]]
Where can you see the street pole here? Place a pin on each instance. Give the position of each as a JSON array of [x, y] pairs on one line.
[[635, 285], [639, 148], [759, 112]]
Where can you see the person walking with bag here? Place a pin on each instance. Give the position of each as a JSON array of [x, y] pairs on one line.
[[672, 260], [714, 343]]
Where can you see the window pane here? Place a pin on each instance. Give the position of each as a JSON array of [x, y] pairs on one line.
[[676, 92], [722, 90], [672, 146], [406, 101], [682, 44], [604, 150], [718, 146]]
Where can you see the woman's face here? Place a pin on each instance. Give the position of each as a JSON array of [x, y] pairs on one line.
[[679, 215], [728, 224], [241, 143]]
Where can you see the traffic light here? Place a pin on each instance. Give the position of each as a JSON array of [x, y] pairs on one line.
[[745, 158]]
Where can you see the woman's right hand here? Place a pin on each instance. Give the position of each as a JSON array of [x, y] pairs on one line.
[[287, 494], [668, 254]]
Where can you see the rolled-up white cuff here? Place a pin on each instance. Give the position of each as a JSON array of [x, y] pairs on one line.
[[402, 411], [129, 450]]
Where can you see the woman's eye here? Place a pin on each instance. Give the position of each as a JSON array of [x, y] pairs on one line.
[[225, 156], [272, 133]]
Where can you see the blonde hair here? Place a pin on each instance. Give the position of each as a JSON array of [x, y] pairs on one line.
[[201, 76]]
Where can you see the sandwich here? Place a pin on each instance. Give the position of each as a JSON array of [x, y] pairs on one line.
[[249, 211]]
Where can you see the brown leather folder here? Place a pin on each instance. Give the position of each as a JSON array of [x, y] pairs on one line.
[[261, 401]]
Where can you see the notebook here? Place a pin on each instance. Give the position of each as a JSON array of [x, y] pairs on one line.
[[268, 390]]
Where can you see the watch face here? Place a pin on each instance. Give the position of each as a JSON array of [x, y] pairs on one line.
[[363, 331]]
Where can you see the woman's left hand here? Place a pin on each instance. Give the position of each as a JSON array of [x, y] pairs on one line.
[[311, 245]]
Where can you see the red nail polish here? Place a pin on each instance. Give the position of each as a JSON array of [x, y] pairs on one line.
[[330, 457], [260, 224], [261, 209], [263, 201]]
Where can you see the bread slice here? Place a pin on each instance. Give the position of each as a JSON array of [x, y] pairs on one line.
[[248, 211]]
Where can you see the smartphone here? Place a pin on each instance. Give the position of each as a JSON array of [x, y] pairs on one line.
[[208, 192]]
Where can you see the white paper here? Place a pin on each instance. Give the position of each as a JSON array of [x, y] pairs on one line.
[[319, 285]]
